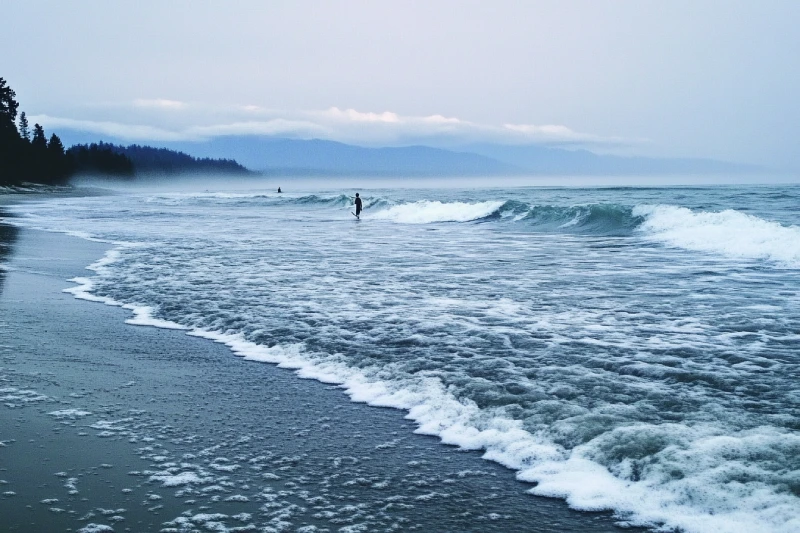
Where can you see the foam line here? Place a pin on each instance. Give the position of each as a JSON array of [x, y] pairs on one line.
[[142, 314], [574, 475]]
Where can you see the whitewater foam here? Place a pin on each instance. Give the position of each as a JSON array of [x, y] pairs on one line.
[[613, 374], [729, 232], [578, 476], [426, 212], [142, 314]]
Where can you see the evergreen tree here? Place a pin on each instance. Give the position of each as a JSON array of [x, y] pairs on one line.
[[99, 159], [27, 156], [11, 159], [24, 129], [39, 142], [37, 166], [8, 107], [58, 162], [55, 146]]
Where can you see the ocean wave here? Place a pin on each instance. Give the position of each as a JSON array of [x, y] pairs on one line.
[[591, 218], [426, 211], [337, 200], [729, 233]]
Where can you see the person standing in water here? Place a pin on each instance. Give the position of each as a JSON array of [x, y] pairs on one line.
[[358, 206]]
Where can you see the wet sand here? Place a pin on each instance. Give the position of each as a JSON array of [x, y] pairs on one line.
[[105, 424]]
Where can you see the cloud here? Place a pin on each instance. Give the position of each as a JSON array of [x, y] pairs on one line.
[[351, 115], [197, 122], [557, 134], [275, 127], [388, 127], [159, 103], [252, 108], [133, 132]]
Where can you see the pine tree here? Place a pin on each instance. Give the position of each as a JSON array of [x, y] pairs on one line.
[[24, 129], [55, 146], [37, 168], [11, 159], [57, 160], [8, 107], [39, 142]]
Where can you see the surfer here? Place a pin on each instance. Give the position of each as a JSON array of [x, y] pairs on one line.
[[358, 206], [279, 189]]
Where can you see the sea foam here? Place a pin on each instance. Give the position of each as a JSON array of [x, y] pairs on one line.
[[142, 314], [730, 233], [710, 461], [426, 211], [557, 355]]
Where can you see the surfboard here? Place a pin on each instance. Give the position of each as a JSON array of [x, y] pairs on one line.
[[358, 217]]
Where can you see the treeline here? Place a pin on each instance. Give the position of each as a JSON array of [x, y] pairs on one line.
[[162, 161], [100, 159], [26, 155]]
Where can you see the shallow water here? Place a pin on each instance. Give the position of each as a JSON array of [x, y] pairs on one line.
[[633, 349]]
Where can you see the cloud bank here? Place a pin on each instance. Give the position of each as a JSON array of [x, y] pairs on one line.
[[172, 120]]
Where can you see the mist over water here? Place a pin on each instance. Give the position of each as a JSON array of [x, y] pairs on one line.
[[633, 349]]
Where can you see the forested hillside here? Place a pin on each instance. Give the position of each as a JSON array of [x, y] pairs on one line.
[[28, 156]]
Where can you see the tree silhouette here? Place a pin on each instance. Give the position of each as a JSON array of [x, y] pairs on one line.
[[28, 156], [24, 129], [37, 165], [8, 107], [9, 138], [39, 142], [55, 146], [99, 159], [57, 161]]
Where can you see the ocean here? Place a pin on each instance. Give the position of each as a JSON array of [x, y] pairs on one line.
[[635, 349]]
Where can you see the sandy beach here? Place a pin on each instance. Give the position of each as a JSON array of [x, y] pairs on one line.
[[108, 426]]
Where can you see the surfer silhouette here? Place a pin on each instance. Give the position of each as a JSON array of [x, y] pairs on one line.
[[358, 207], [279, 189]]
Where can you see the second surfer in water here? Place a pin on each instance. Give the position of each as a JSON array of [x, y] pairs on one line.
[[358, 207]]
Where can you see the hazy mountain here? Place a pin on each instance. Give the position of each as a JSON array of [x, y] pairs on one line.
[[543, 160], [317, 157], [329, 157]]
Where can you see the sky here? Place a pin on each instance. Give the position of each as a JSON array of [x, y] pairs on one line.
[[712, 79]]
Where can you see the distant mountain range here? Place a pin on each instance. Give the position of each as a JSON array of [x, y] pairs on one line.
[[279, 156]]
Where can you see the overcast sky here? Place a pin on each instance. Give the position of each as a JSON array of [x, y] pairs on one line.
[[716, 79]]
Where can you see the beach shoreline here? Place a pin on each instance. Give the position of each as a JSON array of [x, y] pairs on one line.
[[145, 429]]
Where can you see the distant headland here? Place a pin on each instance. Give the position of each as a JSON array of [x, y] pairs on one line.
[[28, 156]]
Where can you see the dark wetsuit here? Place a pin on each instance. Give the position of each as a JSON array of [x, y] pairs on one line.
[[358, 206]]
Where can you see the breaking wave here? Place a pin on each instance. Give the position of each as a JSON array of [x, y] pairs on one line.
[[425, 212], [601, 218], [730, 233]]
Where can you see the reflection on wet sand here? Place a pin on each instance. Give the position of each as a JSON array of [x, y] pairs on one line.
[[8, 235]]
